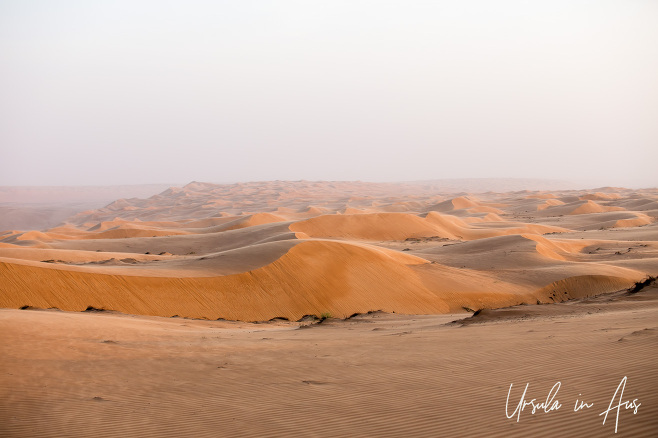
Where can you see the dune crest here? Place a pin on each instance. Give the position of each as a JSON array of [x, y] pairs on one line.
[[592, 207]]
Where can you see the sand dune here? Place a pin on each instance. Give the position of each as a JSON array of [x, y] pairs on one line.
[[639, 220], [600, 221], [598, 196], [373, 226], [136, 223], [458, 203], [253, 219], [124, 233], [593, 207], [312, 278], [581, 286], [401, 226], [72, 256], [549, 203], [641, 204], [485, 209], [256, 251], [351, 210]]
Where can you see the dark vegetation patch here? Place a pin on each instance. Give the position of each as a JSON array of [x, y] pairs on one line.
[[641, 285]]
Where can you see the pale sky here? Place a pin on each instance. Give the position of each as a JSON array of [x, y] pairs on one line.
[[132, 92]]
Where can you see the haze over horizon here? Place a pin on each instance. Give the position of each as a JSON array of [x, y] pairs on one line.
[[99, 93]]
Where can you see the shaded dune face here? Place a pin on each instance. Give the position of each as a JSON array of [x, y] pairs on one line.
[[258, 251]]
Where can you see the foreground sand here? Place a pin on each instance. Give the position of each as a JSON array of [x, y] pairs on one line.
[[258, 251], [106, 374]]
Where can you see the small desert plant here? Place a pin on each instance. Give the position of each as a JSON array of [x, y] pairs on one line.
[[325, 315], [641, 284]]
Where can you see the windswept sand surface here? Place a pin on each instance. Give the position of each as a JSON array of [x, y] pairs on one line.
[[102, 374], [257, 251]]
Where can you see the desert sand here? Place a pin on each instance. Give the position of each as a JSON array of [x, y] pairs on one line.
[[242, 310], [106, 374]]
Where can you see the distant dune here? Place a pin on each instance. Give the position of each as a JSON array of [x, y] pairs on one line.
[[38, 207], [75, 194]]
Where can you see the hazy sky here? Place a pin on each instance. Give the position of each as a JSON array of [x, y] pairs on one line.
[[128, 92]]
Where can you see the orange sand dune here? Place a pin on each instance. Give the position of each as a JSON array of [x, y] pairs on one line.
[[259, 250], [464, 231], [194, 243], [315, 211], [593, 207], [36, 236], [400, 226], [67, 255], [312, 278], [454, 204], [231, 261], [135, 223], [575, 287], [596, 221], [506, 252], [490, 217], [463, 202], [374, 226], [124, 233], [529, 262], [351, 210], [67, 230], [250, 221], [598, 196], [557, 249], [549, 203], [485, 209], [639, 220]]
